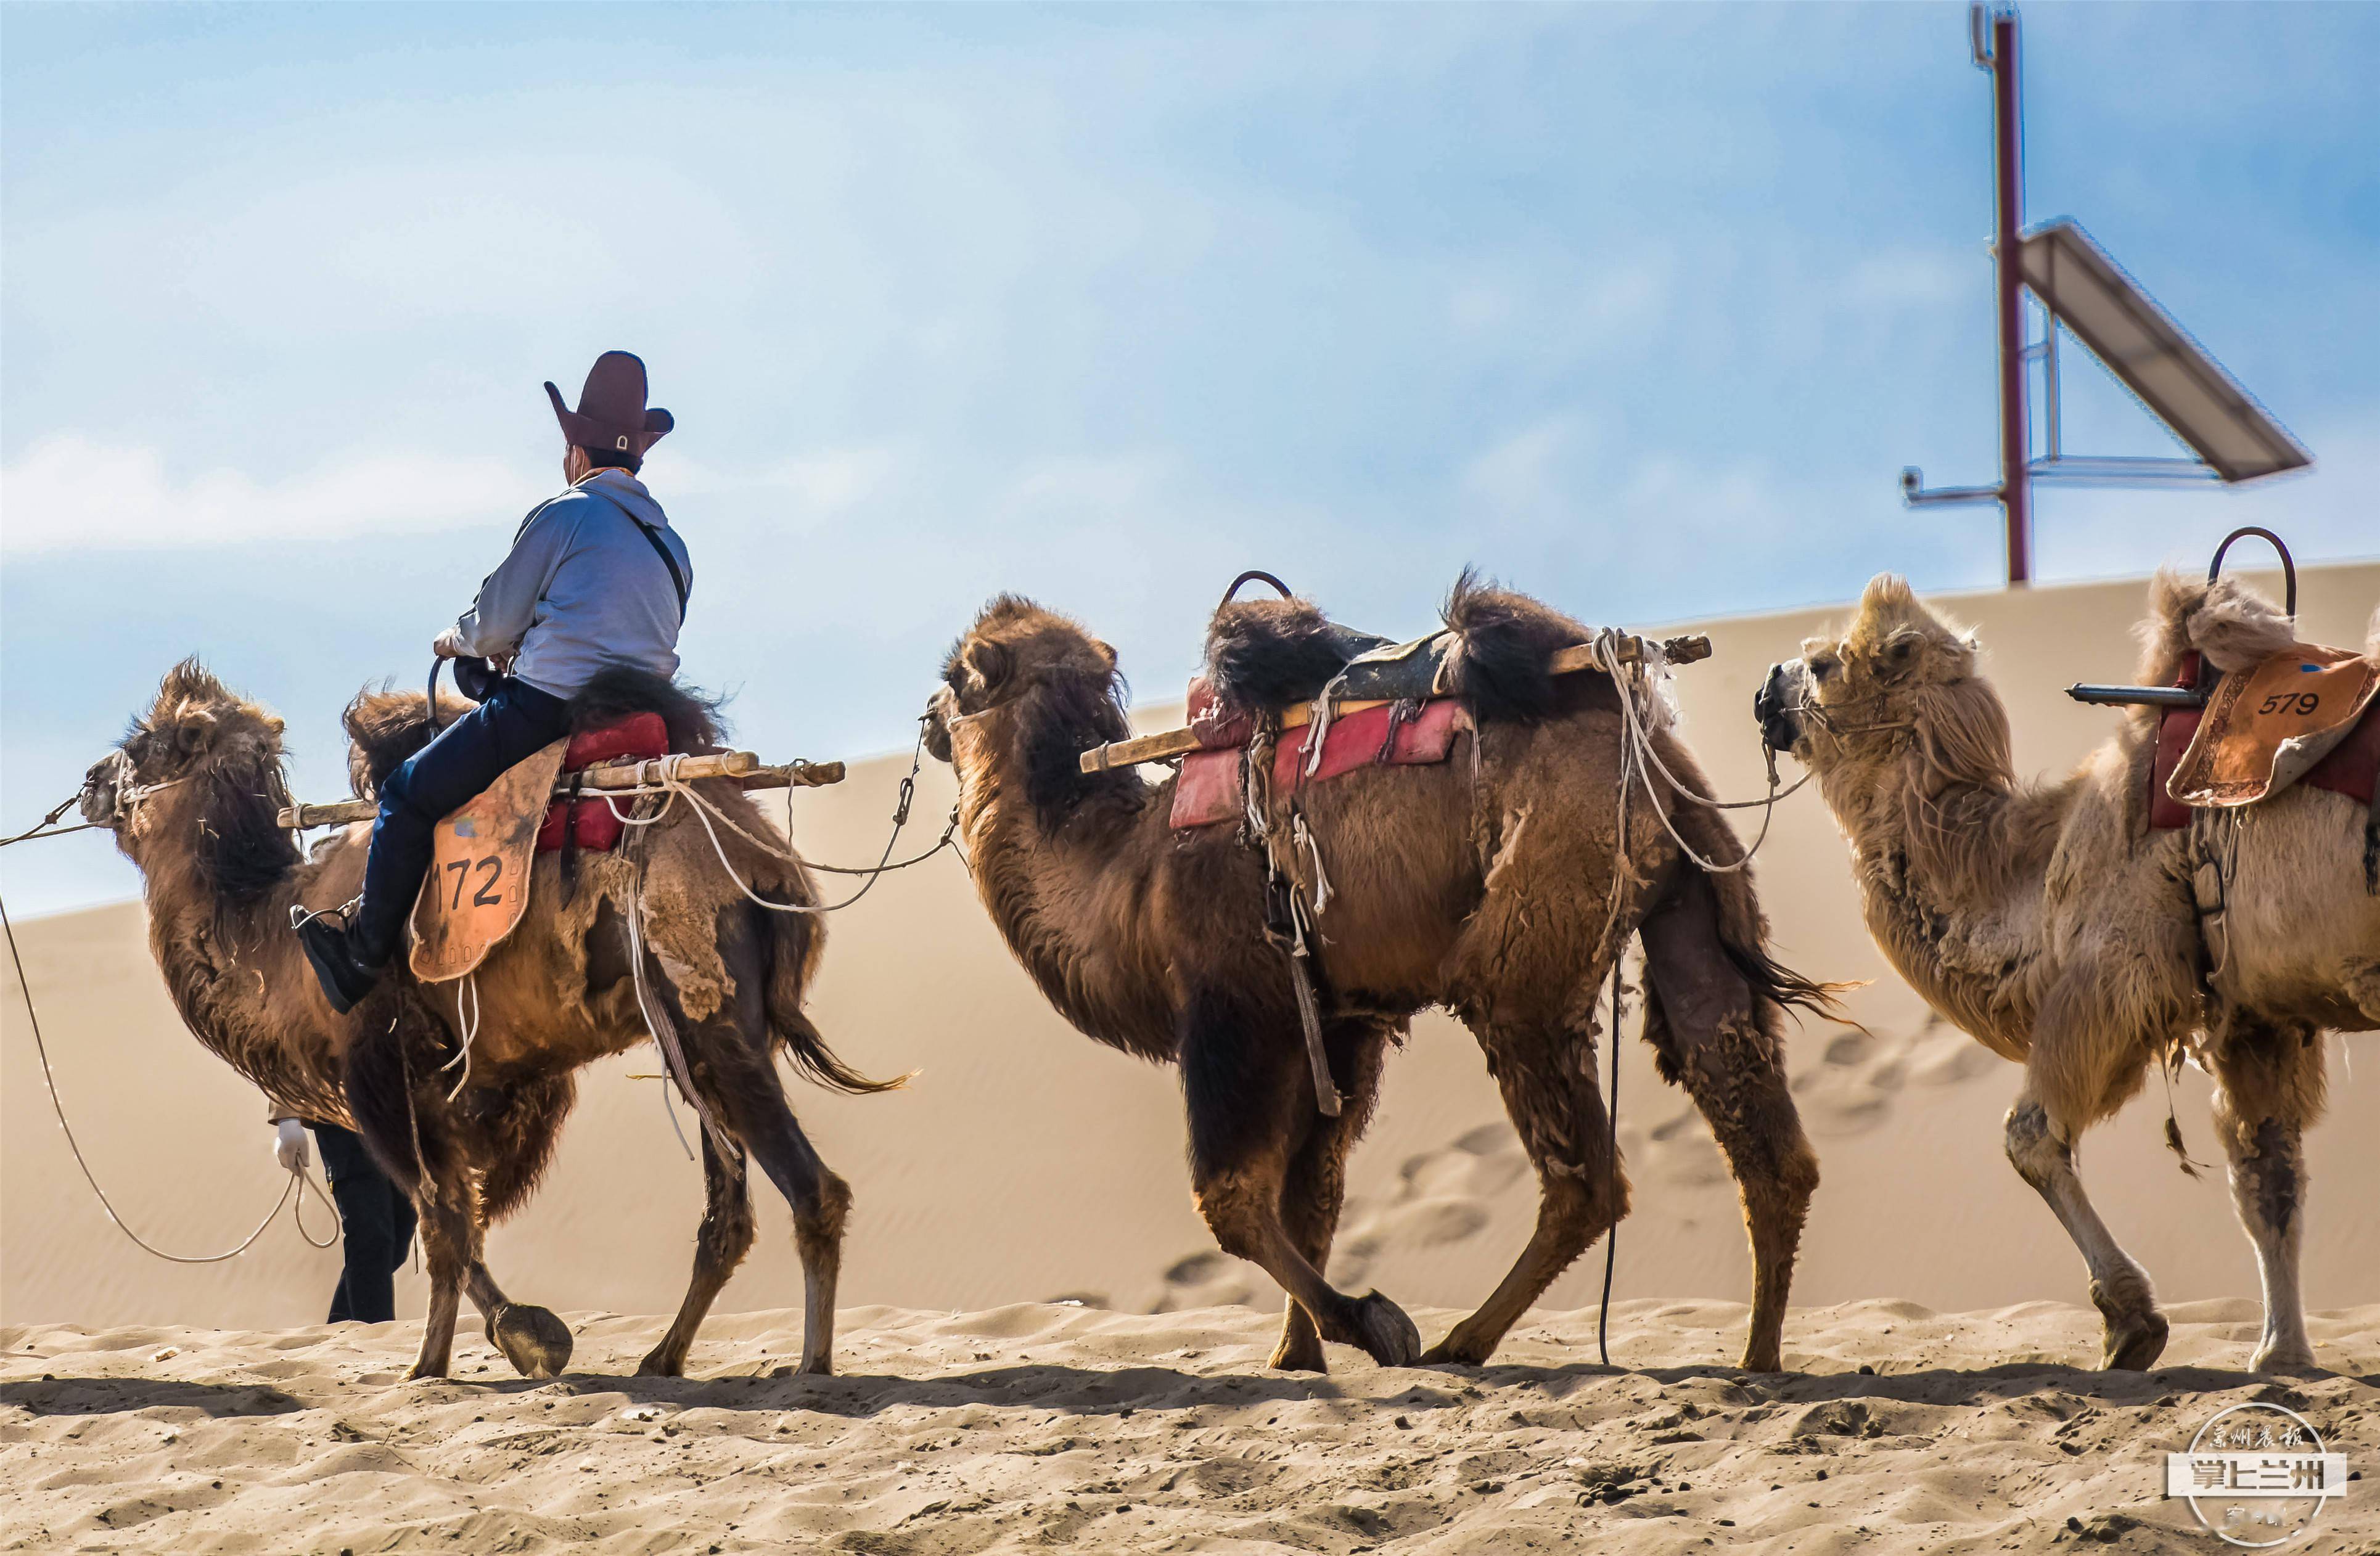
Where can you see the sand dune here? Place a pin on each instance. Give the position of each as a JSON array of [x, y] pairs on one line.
[[1036, 1425], [1028, 1165]]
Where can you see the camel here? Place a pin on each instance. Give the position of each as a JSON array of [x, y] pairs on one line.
[[192, 794], [1484, 884], [2048, 921]]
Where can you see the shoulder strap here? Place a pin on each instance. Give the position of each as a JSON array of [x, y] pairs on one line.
[[661, 549]]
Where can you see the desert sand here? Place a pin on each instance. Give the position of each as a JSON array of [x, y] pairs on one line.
[[1027, 1167], [1037, 1425]]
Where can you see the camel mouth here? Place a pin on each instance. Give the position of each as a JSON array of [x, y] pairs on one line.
[[96, 802], [935, 726], [1773, 709]]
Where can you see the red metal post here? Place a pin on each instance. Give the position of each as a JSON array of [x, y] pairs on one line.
[[2016, 495]]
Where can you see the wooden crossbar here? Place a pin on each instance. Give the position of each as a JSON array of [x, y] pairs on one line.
[[748, 770], [1182, 742]]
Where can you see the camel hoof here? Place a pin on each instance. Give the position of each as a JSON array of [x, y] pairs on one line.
[[2280, 1361], [1301, 1354], [1455, 1351], [419, 1371], [1383, 1330], [532, 1339], [2135, 1344], [1763, 1360], [660, 1363]]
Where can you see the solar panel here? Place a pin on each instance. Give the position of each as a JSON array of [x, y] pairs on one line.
[[2170, 373]]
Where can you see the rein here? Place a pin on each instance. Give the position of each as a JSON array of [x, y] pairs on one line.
[[299, 1183]]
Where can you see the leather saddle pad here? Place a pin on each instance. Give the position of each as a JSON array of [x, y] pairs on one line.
[[1409, 672], [2265, 730], [478, 886], [1212, 787]]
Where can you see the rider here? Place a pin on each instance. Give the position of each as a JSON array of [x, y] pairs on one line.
[[596, 578]]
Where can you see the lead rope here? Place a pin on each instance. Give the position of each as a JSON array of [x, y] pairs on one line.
[[658, 1022], [1613, 941], [297, 1182]]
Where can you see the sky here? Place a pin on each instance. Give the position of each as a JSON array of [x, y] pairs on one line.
[[1641, 310]]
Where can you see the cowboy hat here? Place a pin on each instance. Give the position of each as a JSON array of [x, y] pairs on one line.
[[612, 413]]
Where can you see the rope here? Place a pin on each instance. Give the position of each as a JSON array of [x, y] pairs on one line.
[[470, 1025], [1638, 745], [704, 811], [297, 1182], [1612, 1143]]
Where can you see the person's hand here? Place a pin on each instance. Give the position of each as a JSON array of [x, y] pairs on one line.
[[450, 645], [289, 1145]]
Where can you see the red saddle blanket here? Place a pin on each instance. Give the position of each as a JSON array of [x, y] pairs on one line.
[[2353, 768], [591, 823], [1211, 786]]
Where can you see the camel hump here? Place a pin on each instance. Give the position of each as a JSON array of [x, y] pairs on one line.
[[1502, 661], [385, 726], [1496, 653], [2226, 621], [1263, 654]]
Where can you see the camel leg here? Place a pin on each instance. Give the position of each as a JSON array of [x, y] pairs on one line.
[[1242, 1074], [411, 1131], [2270, 1086], [1547, 1077], [1315, 1185], [444, 1263], [725, 1239], [535, 1341], [1710, 1031], [734, 1069], [2080, 1069]]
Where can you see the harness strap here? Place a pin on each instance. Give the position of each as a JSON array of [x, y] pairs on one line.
[[661, 549]]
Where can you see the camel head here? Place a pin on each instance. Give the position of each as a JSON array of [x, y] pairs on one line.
[[1899, 684], [198, 731], [1057, 683]]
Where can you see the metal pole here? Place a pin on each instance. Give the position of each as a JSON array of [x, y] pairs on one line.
[[2016, 498]]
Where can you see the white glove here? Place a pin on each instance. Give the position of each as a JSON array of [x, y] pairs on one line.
[[450, 644], [289, 1145]]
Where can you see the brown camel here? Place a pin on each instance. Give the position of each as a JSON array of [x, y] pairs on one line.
[[1483, 884], [192, 794], [2050, 922]]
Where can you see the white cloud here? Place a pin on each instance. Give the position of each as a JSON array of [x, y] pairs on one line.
[[1530, 472], [69, 492]]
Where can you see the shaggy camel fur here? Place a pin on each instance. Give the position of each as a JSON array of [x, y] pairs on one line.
[[1483, 884], [191, 795], [2052, 924]]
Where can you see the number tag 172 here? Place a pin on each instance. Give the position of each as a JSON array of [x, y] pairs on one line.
[[490, 870]]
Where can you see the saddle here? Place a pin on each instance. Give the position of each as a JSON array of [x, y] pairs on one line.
[[478, 883], [2310, 715], [1414, 725], [594, 825]]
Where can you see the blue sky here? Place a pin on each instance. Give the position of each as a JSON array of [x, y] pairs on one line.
[[1640, 309]]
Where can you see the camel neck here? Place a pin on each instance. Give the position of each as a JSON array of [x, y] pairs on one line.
[[1070, 891], [1950, 877]]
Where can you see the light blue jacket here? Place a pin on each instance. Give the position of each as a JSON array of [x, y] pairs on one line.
[[583, 588]]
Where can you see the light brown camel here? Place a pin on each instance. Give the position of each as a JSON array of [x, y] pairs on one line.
[[192, 794], [2050, 922], [1483, 884]]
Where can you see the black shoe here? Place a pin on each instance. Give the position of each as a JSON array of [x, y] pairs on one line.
[[345, 977]]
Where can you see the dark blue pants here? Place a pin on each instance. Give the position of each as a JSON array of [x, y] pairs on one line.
[[376, 1224], [515, 723]]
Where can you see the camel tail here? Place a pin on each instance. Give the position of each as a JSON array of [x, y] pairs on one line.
[[796, 944], [808, 1049], [1743, 927]]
